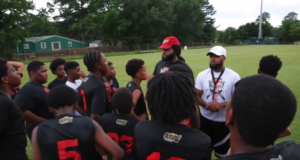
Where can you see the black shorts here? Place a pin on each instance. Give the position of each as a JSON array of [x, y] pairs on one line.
[[219, 134]]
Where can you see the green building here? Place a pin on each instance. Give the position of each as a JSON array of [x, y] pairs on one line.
[[48, 43]]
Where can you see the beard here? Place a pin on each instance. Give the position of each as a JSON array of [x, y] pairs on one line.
[[169, 57], [216, 66]]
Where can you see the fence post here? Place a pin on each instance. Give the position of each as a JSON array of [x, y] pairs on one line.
[[148, 46], [138, 47]]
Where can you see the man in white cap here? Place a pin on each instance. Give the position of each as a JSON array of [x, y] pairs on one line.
[[215, 87]]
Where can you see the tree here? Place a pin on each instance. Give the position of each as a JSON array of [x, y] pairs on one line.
[[14, 17], [285, 30], [209, 30], [265, 17], [229, 35], [295, 32], [291, 16], [40, 24], [73, 15]]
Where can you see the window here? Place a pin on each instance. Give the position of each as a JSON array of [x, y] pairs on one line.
[[26, 46], [56, 45], [43, 45], [70, 44]]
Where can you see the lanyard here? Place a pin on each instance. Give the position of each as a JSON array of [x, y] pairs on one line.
[[215, 81]]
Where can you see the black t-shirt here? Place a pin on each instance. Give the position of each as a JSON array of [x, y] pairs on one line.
[[115, 83], [283, 151], [140, 106], [15, 92], [158, 141], [67, 137], [13, 140], [33, 97], [121, 129], [56, 82], [113, 88], [163, 66], [93, 96]]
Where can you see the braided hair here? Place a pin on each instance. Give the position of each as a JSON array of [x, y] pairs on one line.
[[171, 97], [90, 59]]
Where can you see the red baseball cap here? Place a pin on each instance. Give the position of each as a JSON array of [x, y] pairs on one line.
[[169, 42]]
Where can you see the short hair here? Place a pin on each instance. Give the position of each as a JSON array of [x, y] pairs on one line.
[[55, 63], [270, 65], [179, 68], [90, 59], [34, 66], [133, 66], [70, 65], [122, 100], [263, 108], [3, 68], [109, 63], [171, 97], [61, 96]]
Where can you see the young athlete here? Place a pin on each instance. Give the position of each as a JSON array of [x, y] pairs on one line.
[[68, 136], [270, 65], [72, 69], [12, 130], [171, 55], [120, 127], [261, 108], [111, 80], [214, 87], [57, 68], [93, 91], [18, 66], [111, 76], [194, 121], [171, 100], [137, 70], [32, 97]]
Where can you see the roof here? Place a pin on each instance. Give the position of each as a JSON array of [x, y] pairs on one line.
[[95, 42], [36, 39]]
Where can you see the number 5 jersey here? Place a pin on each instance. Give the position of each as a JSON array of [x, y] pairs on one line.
[[67, 137]]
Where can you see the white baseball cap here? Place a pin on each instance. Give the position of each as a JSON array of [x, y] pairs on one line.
[[217, 50]]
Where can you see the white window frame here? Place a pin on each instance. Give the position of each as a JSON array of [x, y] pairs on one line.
[[70, 43], [52, 45], [42, 45], [26, 46]]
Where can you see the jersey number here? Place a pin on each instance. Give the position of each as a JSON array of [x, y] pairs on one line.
[[156, 156], [122, 138], [83, 98], [63, 154]]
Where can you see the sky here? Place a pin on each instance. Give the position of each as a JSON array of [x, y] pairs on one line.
[[233, 13]]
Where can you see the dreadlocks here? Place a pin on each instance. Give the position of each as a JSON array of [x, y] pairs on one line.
[[177, 51], [171, 97], [90, 59]]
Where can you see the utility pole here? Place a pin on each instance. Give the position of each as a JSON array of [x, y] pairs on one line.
[[260, 21]]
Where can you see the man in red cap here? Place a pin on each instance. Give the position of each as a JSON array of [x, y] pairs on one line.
[[171, 55]]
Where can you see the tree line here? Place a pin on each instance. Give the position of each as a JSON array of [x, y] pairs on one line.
[[131, 21], [287, 32]]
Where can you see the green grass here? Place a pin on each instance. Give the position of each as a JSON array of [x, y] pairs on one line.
[[242, 59]]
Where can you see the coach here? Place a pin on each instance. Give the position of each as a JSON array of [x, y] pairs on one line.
[[170, 56], [215, 87]]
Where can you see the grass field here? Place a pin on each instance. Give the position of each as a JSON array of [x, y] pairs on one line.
[[242, 59]]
